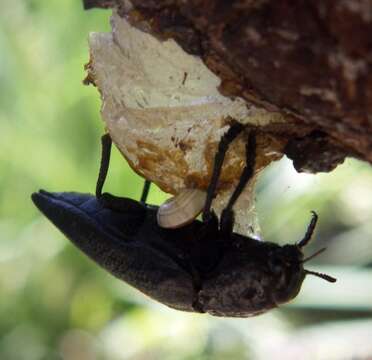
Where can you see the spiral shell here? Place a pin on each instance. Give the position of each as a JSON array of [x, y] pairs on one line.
[[181, 209]]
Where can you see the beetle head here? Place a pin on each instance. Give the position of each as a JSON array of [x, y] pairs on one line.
[[286, 265], [286, 269]]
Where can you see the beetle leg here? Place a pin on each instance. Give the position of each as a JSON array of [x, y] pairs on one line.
[[225, 141], [145, 191], [208, 230], [105, 162], [208, 252], [110, 201], [227, 216]]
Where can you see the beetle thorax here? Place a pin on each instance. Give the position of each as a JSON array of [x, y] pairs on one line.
[[251, 280]]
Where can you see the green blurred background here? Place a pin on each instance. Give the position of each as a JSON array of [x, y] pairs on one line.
[[56, 304]]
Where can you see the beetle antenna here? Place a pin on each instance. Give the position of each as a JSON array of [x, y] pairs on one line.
[[309, 231], [321, 275], [313, 255]]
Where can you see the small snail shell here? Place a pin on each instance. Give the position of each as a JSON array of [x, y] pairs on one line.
[[181, 209]]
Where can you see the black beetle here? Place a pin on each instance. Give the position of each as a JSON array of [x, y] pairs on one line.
[[203, 266]]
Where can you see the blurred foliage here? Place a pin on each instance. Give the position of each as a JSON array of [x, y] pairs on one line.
[[56, 304]]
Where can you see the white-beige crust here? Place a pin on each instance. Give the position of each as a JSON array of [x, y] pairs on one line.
[[163, 111]]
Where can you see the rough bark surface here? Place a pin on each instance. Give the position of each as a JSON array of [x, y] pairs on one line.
[[309, 59]]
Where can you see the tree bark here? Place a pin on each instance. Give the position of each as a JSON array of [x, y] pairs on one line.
[[310, 60]]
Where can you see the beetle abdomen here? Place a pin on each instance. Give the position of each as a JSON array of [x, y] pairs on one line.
[[117, 247]]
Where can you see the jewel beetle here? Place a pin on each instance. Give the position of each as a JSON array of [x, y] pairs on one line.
[[200, 267]]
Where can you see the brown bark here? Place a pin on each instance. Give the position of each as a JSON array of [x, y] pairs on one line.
[[310, 59]]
